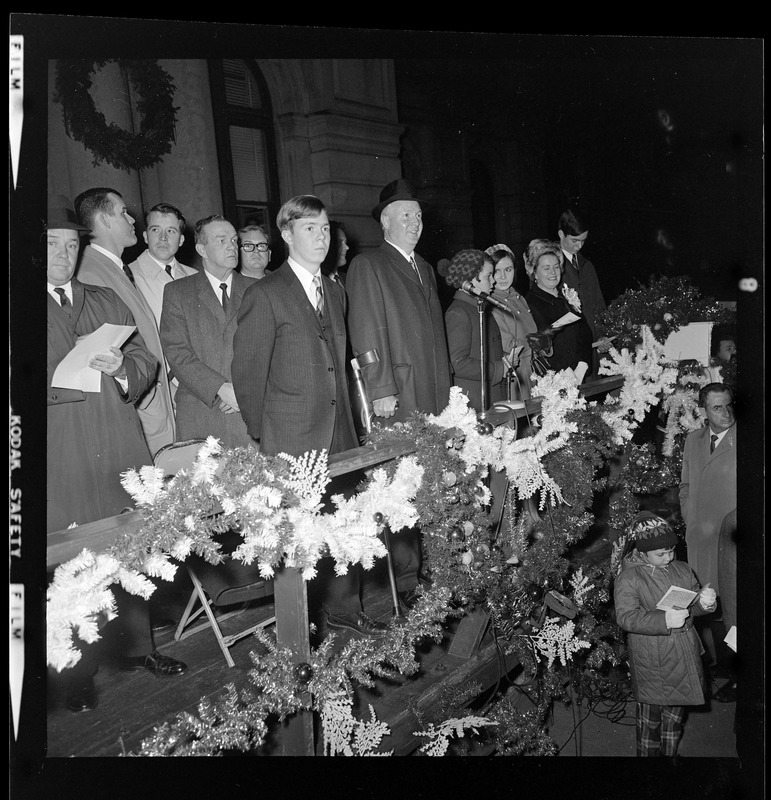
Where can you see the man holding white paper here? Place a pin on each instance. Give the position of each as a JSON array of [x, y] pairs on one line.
[[93, 436]]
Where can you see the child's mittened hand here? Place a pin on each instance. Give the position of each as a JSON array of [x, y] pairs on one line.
[[707, 598], [676, 617]]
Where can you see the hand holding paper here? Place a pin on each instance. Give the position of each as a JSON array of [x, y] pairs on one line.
[[110, 362], [604, 343], [78, 370]]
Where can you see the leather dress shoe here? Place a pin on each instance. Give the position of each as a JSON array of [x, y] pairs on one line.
[[163, 624], [726, 693], [359, 623], [155, 663], [82, 696]]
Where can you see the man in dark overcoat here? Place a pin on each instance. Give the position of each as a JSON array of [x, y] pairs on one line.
[[395, 309], [95, 436], [198, 324]]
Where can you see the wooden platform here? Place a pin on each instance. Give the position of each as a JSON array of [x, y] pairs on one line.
[[132, 704]]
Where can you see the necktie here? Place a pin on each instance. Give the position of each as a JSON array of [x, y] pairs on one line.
[[574, 261], [224, 288], [712, 440], [168, 270], [319, 296], [415, 267], [129, 273], [62, 297]]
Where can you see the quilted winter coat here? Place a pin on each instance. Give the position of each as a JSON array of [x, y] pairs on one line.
[[665, 664]]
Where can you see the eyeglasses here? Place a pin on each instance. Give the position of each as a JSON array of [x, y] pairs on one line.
[[249, 246]]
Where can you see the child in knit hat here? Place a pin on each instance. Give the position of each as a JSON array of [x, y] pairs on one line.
[[664, 649]]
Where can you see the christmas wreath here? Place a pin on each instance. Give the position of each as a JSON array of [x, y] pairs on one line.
[[108, 142]]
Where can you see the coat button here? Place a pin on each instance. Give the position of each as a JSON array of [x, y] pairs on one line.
[[333, 402], [330, 369]]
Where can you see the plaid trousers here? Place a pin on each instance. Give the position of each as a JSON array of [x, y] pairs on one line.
[[659, 729]]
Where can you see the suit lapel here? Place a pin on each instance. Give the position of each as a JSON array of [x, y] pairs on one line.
[[403, 265], [237, 288], [724, 446], [208, 297], [78, 299], [297, 293]]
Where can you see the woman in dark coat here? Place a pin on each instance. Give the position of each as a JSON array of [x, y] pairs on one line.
[[475, 270], [664, 649], [549, 300]]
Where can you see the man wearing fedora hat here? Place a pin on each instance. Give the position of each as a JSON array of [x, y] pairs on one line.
[[394, 308], [94, 436], [104, 212]]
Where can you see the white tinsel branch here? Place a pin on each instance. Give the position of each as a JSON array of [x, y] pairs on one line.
[[439, 736]]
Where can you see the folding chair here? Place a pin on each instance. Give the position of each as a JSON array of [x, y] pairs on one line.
[[215, 586]]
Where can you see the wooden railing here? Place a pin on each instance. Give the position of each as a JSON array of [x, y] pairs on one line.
[[98, 536]]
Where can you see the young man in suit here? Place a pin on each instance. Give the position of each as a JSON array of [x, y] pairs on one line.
[[104, 212], [93, 437], [579, 273], [164, 234], [158, 266], [289, 369], [395, 309], [197, 329], [708, 493]]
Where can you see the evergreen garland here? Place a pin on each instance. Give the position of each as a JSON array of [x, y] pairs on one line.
[[111, 143], [665, 305]]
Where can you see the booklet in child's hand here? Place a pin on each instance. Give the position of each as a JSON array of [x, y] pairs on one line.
[[676, 597]]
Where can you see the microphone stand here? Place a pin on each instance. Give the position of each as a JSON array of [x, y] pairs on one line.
[[511, 375], [482, 354], [358, 363], [482, 298]]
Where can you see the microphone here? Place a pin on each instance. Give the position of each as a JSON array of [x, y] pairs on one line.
[[467, 286]]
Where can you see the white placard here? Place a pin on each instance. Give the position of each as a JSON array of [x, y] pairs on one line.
[[691, 341]]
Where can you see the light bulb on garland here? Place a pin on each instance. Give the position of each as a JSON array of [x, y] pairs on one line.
[[449, 479], [303, 672], [457, 535]]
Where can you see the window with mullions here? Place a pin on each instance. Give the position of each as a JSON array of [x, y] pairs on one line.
[[244, 129]]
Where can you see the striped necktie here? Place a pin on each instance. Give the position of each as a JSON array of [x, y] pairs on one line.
[[319, 296], [415, 267]]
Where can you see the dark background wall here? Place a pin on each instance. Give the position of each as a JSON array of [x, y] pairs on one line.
[[657, 140]]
